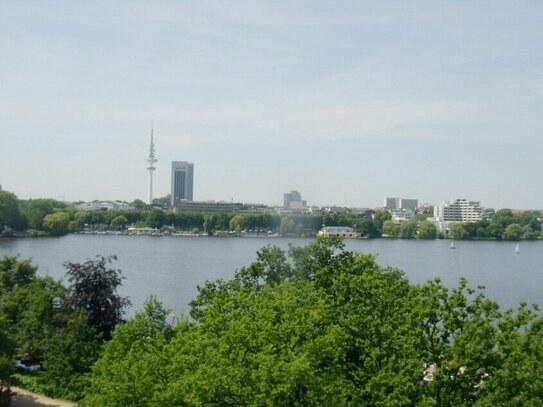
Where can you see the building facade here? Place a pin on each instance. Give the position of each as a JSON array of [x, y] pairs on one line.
[[105, 206], [207, 206], [459, 210], [343, 231], [182, 182], [401, 203], [293, 200]]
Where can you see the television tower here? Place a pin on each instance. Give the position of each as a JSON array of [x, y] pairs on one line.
[[151, 160]]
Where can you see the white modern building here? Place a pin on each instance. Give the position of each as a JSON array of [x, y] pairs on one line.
[[458, 210], [402, 215]]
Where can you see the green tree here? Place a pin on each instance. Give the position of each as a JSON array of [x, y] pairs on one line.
[[131, 368], [139, 204], [119, 222], [379, 219], [287, 225], [56, 224], [498, 222], [528, 233], [457, 231], [26, 303], [325, 326], [15, 273], [156, 218], [513, 232], [81, 218], [74, 348], [6, 366], [427, 230], [518, 382], [300, 328], [367, 228], [238, 222], [36, 210], [409, 229], [390, 229], [33, 314], [10, 214], [94, 289], [219, 221], [28, 315], [163, 201]]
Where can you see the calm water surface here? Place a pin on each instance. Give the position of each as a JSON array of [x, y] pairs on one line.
[[172, 267]]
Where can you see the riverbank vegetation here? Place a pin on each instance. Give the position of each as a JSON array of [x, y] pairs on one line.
[[56, 329], [316, 325], [48, 217]]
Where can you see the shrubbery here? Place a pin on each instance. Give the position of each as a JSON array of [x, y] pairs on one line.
[[317, 325]]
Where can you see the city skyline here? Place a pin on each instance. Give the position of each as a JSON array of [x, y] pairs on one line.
[[347, 102]]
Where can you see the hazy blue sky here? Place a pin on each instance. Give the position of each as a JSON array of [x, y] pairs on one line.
[[345, 101]]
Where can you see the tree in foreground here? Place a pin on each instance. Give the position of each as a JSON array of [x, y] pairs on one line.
[[131, 367], [26, 303], [6, 367], [92, 309], [325, 326], [73, 350], [94, 289]]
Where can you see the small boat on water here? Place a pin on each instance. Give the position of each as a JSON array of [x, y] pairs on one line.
[[452, 245], [517, 248]]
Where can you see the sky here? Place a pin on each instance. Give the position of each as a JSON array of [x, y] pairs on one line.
[[345, 101]]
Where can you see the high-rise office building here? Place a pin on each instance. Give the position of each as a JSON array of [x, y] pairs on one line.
[[401, 203], [182, 181], [293, 199]]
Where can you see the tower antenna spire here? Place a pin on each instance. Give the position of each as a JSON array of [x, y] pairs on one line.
[[151, 160]]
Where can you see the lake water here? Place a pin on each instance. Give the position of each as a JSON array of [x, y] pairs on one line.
[[172, 267]]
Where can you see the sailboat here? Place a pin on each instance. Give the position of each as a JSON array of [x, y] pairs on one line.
[[452, 245], [517, 248]]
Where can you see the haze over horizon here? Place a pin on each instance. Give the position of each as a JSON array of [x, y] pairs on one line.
[[346, 102]]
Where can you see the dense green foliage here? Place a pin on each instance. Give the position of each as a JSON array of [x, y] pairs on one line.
[[317, 325], [10, 213], [6, 367], [503, 225], [63, 328], [324, 326]]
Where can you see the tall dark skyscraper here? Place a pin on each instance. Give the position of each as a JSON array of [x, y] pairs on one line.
[[182, 181]]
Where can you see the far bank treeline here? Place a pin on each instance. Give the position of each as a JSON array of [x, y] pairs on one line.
[[54, 218]]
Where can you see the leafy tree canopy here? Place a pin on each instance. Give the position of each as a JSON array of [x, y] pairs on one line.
[[427, 230], [36, 210], [57, 223], [320, 325], [94, 288], [10, 214]]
